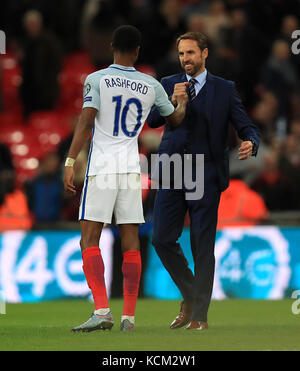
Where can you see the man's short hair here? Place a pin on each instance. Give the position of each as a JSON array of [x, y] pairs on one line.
[[126, 39], [202, 40]]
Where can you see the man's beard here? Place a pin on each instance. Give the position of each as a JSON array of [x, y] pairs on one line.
[[194, 69]]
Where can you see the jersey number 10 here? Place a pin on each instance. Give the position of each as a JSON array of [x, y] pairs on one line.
[[123, 113]]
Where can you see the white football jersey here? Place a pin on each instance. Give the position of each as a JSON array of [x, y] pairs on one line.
[[123, 97]]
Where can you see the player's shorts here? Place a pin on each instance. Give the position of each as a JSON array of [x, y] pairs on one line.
[[105, 195]]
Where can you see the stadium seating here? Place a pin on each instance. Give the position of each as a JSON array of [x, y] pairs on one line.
[[42, 131], [11, 80], [75, 69], [30, 141]]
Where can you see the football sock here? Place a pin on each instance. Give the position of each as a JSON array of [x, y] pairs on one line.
[[131, 269], [102, 311], [93, 268]]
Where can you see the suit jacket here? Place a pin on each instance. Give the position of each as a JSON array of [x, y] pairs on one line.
[[222, 106]]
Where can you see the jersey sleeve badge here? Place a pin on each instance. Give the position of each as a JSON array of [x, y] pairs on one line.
[[86, 89]]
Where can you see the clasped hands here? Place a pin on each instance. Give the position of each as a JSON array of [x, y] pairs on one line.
[[180, 94]]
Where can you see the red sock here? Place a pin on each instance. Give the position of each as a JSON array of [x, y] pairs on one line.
[[131, 269], [93, 268]]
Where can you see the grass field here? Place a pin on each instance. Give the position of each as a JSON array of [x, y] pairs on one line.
[[234, 325]]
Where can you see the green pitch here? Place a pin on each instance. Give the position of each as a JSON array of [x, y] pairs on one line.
[[234, 325]]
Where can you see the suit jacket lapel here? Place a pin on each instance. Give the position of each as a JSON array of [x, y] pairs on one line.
[[179, 78], [183, 78]]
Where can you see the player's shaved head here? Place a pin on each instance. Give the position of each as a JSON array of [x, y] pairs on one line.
[[126, 39]]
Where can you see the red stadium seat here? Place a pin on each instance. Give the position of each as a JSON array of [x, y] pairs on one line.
[[43, 131], [77, 59], [11, 125], [23, 148], [146, 68], [32, 140], [10, 118], [11, 81], [75, 69], [49, 122]]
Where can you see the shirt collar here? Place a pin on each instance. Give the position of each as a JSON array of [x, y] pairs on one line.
[[200, 78], [126, 68]]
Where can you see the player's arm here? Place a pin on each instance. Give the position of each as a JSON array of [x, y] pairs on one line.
[[174, 117], [81, 135]]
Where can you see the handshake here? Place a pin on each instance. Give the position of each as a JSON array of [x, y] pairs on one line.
[[180, 95]]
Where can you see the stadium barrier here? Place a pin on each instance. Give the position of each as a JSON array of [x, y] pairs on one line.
[[256, 262], [46, 265], [260, 262]]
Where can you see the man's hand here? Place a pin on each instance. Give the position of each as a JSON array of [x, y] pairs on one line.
[[68, 180], [245, 150], [181, 97], [179, 93]]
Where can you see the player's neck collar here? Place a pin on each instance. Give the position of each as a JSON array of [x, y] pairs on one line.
[[123, 68]]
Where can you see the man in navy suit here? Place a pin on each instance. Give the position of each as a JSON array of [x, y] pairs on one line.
[[213, 104]]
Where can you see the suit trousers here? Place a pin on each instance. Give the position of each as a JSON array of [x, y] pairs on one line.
[[170, 210]]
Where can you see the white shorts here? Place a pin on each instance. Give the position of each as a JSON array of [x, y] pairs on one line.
[[106, 194]]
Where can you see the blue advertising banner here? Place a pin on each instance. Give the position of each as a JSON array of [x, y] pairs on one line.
[[251, 262], [36, 266], [255, 262]]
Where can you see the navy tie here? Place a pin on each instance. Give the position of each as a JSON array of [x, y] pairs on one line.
[[191, 89]]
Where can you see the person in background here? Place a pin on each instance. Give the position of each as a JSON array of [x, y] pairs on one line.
[[280, 76], [6, 162], [241, 206], [14, 211], [45, 191], [289, 162], [216, 18], [40, 59], [265, 115], [234, 56], [289, 24], [273, 185]]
